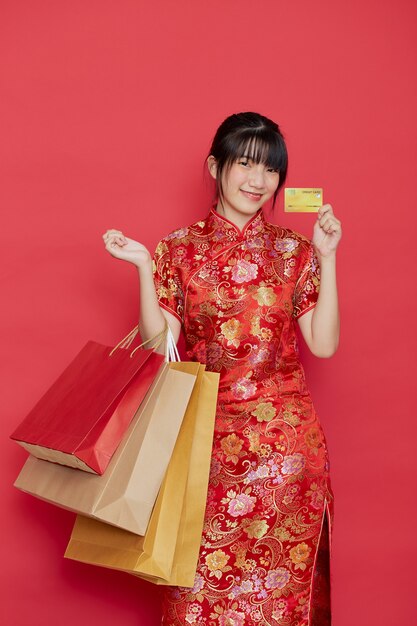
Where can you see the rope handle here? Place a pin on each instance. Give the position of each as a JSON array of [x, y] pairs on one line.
[[126, 341], [171, 351]]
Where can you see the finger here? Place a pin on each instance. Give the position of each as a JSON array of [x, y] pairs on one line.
[[328, 219], [113, 242], [331, 228], [116, 244], [326, 208], [326, 227], [112, 232], [120, 239], [112, 247], [324, 222]]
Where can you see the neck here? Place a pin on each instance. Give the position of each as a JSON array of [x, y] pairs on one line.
[[238, 219]]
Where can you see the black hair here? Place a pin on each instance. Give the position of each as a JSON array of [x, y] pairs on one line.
[[252, 135]]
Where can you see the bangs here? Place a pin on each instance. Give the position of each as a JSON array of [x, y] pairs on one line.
[[260, 146]]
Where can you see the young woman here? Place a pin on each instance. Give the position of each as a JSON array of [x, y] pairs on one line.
[[237, 286]]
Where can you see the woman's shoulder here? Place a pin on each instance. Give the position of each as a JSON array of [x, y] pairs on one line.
[[288, 240], [185, 231], [183, 236]]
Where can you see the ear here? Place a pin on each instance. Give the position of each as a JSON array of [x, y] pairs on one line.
[[212, 166]]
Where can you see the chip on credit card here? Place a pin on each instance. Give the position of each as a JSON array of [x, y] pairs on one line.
[[303, 199]]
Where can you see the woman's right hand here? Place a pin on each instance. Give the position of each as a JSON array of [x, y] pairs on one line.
[[126, 249]]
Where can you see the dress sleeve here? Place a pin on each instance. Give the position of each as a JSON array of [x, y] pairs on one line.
[[308, 284], [168, 284]]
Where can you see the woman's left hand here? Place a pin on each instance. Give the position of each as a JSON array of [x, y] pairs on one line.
[[327, 232]]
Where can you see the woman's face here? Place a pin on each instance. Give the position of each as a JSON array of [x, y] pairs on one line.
[[246, 187]]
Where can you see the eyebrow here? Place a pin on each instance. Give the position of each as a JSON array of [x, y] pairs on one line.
[[250, 158]]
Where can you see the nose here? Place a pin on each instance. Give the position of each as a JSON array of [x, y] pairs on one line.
[[257, 176]]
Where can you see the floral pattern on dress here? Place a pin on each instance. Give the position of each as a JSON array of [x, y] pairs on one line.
[[238, 295]]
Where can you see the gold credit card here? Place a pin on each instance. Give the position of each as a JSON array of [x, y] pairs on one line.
[[303, 199]]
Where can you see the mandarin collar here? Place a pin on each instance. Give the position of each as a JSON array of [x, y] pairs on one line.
[[220, 226]]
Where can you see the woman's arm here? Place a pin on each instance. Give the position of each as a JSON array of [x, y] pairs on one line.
[[152, 318], [320, 326]]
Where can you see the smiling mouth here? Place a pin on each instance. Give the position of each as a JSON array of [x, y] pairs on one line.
[[251, 195]]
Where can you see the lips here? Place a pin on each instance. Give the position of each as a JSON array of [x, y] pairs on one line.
[[255, 197]]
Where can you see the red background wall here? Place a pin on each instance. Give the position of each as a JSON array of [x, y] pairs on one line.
[[107, 109]]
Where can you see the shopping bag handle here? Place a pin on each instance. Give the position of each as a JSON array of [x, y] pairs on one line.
[[171, 351], [126, 341]]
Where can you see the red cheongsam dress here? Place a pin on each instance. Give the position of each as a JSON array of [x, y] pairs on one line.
[[264, 549]]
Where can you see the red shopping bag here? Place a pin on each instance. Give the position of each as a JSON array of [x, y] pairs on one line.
[[82, 418]]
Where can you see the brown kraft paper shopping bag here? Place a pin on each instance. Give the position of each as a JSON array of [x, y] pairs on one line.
[[125, 494], [153, 556]]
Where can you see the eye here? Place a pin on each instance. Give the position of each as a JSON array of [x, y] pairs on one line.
[[274, 171], [243, 162]]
